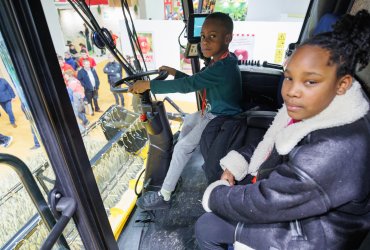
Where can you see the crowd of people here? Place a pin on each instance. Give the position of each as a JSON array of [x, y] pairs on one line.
[[82, 84]]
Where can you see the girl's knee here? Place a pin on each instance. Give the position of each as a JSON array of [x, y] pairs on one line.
[[203, 226]]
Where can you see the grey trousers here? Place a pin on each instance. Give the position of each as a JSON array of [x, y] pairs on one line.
[[189, 138]]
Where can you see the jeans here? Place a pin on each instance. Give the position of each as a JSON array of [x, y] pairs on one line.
[[7, 106], [189, 138], [92, 96], [214, 233], [120, 95], [35, 140], [82, 117]]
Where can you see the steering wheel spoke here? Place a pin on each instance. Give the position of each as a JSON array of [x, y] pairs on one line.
[[130, 80]]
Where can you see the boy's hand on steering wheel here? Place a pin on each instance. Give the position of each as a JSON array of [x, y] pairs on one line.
[[171, 71], [139, 86], [228, 176]]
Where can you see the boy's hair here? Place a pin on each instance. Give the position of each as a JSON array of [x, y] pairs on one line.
[[224, 19], [348, 43]]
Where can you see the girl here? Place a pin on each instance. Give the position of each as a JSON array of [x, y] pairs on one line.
[[311, 189]]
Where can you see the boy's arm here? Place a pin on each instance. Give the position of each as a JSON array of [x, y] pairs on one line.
[[208, 78], [205, 79], [80, 78]]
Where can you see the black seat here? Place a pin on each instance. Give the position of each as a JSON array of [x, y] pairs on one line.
[[224, 134]]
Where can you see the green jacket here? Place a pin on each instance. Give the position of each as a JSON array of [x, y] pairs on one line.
[[222, 81]]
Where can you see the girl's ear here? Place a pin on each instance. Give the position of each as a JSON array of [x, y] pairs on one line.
[[345, 82]]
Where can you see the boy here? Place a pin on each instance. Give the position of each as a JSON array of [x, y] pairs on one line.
[[221, 85]]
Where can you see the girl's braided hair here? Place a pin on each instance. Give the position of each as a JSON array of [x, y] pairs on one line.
[[348, 43]]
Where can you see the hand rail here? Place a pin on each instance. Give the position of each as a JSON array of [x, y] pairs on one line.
[[67, 206], [33, 191], [173, 104]]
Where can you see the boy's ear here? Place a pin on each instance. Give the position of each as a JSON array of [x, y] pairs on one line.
[[228, 38], [345, 82]]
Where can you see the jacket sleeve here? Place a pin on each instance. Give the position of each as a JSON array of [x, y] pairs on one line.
[[180, 74], [80, 77], [237, 161], [97, 82], [11, 91], [302, 187], [106, 69], [204, 79]]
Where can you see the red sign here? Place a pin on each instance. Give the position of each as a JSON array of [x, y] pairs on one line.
[[88, 2]]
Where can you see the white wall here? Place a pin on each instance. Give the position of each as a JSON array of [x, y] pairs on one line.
[[276, 10], [151, 9], [52, 18]]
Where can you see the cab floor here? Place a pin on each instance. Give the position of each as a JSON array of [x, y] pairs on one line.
[[174, 228]]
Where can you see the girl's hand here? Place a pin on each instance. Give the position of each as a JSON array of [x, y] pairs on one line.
[[228, 176], [139, 86], [171, 71]]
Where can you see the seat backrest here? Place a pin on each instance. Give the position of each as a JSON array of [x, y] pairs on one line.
[[260, 87]]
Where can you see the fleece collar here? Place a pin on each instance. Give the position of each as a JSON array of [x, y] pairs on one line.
[[344, 109]]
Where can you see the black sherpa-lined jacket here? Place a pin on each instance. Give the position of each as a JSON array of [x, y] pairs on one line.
[[313, 187]]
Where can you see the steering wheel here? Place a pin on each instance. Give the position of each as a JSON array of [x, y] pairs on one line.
[[130, 80]]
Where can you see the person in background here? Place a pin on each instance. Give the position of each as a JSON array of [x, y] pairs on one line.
[[85, 56], [114, 37], [309, 186], [73, 51], [5, 141], [78, 96], [90, 81], [114, 72], [83, 48], [65, 66], [6, 96], [69, 60], [87, 37], [36, 143]]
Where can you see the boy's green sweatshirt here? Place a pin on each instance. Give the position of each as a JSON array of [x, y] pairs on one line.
[[222, 81]]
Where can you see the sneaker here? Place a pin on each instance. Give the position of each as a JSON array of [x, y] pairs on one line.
[[152, 201], [99, 110], [14, 125], [8, 142], [35, 147]]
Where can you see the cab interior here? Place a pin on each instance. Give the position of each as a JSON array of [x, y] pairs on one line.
[[26, 33]]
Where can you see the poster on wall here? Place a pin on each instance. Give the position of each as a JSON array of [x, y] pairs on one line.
[[173, 10], [242, 46], [146, 45], [237, 9], [185, 63], [280, 45], [208, 6]]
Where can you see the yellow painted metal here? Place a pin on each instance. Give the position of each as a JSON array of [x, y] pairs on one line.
[[120, 213]]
